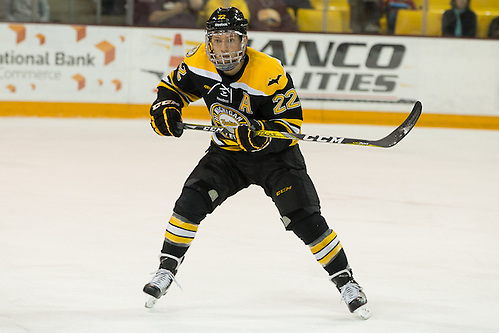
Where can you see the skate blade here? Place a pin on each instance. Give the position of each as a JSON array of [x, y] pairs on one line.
[[150, 301], [363, 313]]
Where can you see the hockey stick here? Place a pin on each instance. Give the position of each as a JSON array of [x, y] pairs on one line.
[[388, 141]]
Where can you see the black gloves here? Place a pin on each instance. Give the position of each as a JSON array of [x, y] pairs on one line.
[[248, 140], [166, 118]]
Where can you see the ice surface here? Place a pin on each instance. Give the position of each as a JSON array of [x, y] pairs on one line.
[[84, 204]]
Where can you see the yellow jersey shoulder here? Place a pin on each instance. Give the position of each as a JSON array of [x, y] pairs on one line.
[[197, 58], [264, 73]]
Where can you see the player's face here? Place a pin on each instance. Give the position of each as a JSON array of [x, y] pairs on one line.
[[226, 50], [226, 45]]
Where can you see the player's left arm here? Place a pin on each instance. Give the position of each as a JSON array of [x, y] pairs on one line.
[[287, 115], [280, 110]]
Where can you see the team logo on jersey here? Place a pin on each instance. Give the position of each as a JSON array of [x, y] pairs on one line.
[[227, 117], [223, 93], [274, 81]]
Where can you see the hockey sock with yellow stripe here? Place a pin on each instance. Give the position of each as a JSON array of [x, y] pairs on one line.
[[179, 234], [329, 252]]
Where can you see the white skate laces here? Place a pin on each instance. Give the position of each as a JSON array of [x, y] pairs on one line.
[[161, 282], [350, 292], [353, 296], [162, 279]]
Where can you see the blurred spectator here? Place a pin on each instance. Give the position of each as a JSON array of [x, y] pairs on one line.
[[365, 15], [460, 21], [167, 13], [141, 11], [27, 10], [270, 15], [107, 6], [392, 7], [113, 7], [494, 29], [211, 5], [297, 4]]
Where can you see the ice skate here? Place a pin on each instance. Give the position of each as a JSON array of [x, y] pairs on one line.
[[162, 279], [351, 293]]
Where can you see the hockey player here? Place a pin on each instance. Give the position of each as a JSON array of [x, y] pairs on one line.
[[244, 90]]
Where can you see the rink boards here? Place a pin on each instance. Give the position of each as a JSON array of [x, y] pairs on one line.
[[97, 71]]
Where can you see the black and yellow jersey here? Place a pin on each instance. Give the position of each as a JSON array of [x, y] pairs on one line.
[[261, 90]]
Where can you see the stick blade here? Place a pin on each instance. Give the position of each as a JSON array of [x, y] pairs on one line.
[[400, 132]]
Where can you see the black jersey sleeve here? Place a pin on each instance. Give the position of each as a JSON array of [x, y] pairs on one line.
[[286, 115], [179, 85]]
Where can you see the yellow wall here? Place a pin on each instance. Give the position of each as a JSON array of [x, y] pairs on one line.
[[199, 112]]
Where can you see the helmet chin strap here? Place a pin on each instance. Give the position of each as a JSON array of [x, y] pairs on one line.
[[228, 66]]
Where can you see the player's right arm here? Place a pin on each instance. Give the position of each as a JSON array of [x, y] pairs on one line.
[[174, 92]]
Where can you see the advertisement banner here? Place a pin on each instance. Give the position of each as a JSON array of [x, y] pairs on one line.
[[123, 65], [63, 63]]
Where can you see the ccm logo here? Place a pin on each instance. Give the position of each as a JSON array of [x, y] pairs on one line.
[[278, 193], [162, 103]]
